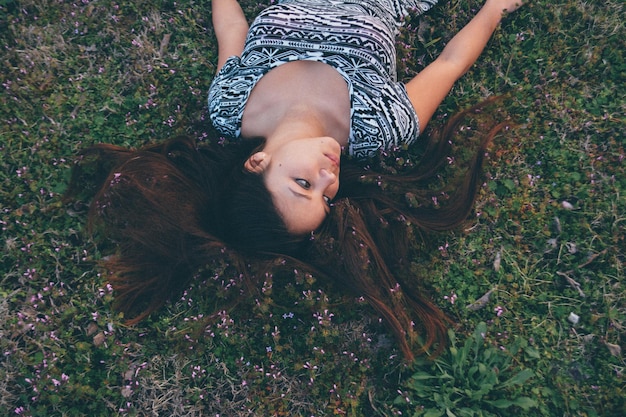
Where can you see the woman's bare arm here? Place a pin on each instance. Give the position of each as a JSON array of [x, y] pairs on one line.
[[231, 28], [428, 88]]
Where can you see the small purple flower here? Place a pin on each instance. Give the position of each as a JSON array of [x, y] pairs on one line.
[[452, 297]]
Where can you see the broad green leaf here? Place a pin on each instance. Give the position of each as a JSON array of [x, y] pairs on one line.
[[433, 413], [482, 368], [485, 388], [465, 412], [501, 403], [452, 337], [479, 335], [509, 184], [519, 378], [532, 352], [420, 376], [525, 402]]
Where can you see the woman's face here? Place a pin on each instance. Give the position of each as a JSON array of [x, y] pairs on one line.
[[303, 178]]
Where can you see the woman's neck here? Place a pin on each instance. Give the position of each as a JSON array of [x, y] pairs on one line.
[[301, 121]]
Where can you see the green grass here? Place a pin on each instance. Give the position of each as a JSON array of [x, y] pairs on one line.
[[548, 237]]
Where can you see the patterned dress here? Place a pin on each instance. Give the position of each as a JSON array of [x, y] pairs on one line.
[[356, 37]]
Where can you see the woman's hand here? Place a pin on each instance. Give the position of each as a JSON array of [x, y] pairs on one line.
[[507, 6]]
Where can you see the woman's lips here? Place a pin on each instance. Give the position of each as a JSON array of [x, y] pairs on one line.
[[334, 159]]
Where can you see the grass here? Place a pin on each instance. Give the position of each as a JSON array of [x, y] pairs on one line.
[[548, 239]]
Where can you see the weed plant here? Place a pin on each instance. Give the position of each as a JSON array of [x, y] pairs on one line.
[[535, 283], [469, 380]]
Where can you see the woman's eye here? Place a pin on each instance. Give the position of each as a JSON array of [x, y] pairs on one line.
[[303, 183]]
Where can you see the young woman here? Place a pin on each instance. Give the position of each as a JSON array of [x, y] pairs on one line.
[[313, 77], [304, 92]]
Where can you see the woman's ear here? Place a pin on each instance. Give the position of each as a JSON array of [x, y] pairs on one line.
[[257, 162]]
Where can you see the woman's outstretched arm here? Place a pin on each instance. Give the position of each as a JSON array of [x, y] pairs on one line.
[[231, 28], [428, 88]]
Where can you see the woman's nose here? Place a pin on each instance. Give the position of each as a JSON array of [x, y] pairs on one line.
[[327, 176]]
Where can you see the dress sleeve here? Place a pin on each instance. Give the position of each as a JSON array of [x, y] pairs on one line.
[[227, 98], [413, 128], [382, 119]]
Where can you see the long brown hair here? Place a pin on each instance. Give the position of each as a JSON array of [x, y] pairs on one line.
[[372, 225], [173, 207]]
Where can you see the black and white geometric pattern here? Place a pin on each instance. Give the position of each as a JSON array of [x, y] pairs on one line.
[[356, 37]]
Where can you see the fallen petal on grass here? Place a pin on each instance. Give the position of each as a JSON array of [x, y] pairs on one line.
[[482, 301], [615, 350]]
